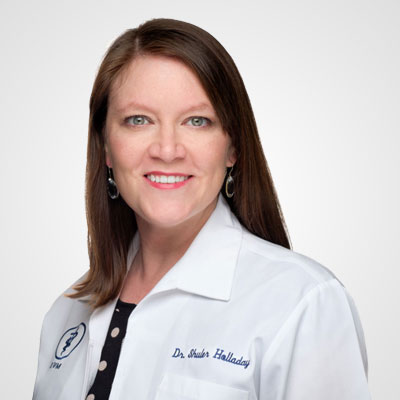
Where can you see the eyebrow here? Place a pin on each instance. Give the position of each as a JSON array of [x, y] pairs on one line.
[[133, 104]]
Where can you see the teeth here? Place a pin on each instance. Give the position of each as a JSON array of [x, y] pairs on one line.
[[167, 179]]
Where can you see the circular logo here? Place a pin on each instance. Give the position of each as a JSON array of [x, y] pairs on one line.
[[70, 340]]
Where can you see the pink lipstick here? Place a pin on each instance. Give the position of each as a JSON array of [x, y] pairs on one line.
[[167, 180]]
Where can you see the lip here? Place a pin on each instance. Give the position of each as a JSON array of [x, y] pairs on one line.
[[166, 173], [159, 185]]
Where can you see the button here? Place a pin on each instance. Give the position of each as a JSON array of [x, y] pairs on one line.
[[90, 397], [102, 365], [115, 332]]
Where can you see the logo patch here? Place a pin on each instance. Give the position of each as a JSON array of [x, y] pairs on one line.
[[70, 340]]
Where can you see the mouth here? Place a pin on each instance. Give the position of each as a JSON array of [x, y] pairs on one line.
[[167, 180]]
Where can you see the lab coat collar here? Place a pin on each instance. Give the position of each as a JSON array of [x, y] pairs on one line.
[[208, 266]]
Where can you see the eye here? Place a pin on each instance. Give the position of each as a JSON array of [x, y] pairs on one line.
[[137, 120], [199, 121]]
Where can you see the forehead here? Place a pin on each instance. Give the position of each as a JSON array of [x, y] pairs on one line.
[[158, 81]]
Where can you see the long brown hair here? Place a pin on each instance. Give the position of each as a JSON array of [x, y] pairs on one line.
[[111, 223]]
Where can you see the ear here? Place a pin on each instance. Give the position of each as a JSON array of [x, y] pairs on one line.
[[108, 157], [232, 156]]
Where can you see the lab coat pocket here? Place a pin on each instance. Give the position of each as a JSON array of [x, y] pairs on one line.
[[179, 387]]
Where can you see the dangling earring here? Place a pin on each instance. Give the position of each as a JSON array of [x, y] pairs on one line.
[[229, 181], [112, 189]]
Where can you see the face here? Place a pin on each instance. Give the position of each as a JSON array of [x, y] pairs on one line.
[[164, 142]]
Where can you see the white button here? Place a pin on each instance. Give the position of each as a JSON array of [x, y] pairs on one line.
[[117, 309], [115, 332], [90, 397], [102, 365]]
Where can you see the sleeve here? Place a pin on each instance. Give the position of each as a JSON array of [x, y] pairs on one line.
[[319, 353]]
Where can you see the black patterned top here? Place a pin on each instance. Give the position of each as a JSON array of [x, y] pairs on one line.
[[103, 381]]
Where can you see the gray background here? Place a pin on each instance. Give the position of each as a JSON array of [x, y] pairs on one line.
[[323, 78]]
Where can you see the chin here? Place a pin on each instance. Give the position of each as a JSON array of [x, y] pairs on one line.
[[165, 215], [170, 221]]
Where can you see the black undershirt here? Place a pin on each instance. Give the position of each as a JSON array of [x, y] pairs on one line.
[[103, 381]]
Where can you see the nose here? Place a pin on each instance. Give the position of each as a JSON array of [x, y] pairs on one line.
[[166, 145]]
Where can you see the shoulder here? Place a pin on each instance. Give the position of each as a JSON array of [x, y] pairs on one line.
[[270, 254], [65, 307], [283, 286], [271, 273]]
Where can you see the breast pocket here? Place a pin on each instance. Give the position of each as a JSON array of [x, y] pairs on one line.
[[179, 387]]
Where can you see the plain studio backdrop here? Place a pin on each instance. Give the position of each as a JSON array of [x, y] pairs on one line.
[[323, 78]]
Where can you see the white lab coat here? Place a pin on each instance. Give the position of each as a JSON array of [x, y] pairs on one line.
[[236, 318]]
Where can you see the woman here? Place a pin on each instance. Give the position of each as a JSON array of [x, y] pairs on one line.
[[193, 291]]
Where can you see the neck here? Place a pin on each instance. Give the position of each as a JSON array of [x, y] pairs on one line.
[[161, 247]]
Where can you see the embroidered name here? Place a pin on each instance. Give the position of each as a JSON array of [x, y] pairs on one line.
[[220, 354], [230, 357]]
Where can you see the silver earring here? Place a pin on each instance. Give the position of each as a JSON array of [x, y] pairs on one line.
[[229, 181], [112, 189]]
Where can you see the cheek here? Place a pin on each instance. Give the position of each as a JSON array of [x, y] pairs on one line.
[[123, 153], [215, 153]]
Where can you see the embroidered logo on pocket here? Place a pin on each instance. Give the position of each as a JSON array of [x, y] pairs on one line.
[[70, 340]]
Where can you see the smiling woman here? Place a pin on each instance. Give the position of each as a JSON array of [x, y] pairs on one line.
[[168, 129], [192, 291]]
